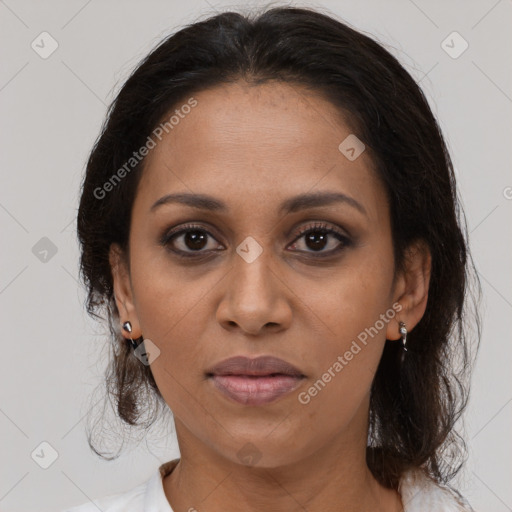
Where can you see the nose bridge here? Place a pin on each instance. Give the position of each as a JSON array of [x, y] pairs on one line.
[[253, 274], [254, 296]]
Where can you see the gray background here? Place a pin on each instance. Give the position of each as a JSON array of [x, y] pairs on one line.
[[51, 112]]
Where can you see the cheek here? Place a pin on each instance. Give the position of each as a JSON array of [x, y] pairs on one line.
[[172, 313], [355, 311], [175, 323], [166, 295], [354, 296]]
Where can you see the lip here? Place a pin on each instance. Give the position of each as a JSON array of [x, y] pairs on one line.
[[255, 381]]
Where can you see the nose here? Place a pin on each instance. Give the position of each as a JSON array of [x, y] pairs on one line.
[[255, 299]]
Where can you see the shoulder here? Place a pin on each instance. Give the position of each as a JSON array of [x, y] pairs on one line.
[[419, 493], [125, 502], [146, 496]]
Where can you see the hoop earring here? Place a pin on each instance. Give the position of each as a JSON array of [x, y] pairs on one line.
[[403, 332], [127, 326]]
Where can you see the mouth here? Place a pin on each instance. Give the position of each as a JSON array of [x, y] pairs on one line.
[[254, 381]]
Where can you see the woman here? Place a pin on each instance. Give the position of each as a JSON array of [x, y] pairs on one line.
[[270, 220]]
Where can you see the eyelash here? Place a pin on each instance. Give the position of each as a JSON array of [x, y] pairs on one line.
[[323, 228]]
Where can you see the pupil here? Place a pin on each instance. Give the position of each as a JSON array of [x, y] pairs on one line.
[[317, 239], [195, 240]]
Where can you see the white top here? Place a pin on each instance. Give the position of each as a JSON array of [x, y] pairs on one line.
[[418, 493]]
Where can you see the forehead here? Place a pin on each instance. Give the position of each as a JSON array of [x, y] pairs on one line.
[[269, 141]]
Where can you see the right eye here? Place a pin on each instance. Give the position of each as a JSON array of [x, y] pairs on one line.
[[188, 240]]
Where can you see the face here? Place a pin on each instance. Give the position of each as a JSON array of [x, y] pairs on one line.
[[312, 284]]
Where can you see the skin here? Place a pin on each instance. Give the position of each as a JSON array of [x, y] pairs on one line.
[[253, 147]]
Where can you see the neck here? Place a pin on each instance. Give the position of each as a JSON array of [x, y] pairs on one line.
[[334, 478]]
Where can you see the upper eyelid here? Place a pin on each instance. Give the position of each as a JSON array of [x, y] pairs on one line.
[[304, 227]]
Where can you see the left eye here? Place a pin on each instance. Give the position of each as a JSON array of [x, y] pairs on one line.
[[318, 237]]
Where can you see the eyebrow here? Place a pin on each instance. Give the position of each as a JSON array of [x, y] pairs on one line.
[[291, 205]]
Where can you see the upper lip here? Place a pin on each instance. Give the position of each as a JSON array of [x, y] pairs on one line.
[[263, 365]]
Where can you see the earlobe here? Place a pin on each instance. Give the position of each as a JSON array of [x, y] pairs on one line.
[[413, 286]]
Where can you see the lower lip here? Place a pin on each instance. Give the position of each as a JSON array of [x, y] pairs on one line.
[[255, 390]]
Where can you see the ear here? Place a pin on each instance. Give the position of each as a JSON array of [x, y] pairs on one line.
[[411, 288], [123, 293]]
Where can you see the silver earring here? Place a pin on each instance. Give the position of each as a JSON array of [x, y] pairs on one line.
[[403, 332], [127, 326]]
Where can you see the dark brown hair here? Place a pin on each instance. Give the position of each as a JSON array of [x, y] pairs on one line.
[[414, 406]]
